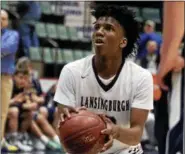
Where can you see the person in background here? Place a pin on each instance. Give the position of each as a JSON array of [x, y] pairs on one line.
[[148, 35], [25, 63], [20, 112], [151, 60], [172, 63], [23, 112], [30, 12], [9, 46], [51, 107]]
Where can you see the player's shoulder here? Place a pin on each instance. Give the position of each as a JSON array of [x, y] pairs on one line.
[[137, 71], [79, 65]]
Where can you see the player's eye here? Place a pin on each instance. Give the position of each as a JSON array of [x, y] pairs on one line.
[[96, 27], [108, 27]]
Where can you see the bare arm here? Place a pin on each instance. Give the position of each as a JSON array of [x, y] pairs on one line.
[[173, 31], [132, 135]]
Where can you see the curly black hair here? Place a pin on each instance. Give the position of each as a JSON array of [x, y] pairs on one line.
[[126, 19]]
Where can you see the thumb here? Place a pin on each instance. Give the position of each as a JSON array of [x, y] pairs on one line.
[[80, 108], [73, 109]]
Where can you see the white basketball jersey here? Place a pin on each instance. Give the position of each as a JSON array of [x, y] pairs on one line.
[[132, 87]]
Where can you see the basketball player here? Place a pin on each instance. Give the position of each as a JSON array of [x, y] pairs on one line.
[[107, 83], [172, 61]]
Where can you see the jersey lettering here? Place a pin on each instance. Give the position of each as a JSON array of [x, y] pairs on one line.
[[108, 105]]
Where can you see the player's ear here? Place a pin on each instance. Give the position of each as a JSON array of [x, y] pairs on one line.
[[123, 42]]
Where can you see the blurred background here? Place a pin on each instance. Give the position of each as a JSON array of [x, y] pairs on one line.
[[54, 33]]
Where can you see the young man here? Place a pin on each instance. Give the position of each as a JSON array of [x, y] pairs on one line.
[[106, 83]]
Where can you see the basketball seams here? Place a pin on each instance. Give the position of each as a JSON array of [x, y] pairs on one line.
[[77, 139], [85, 129]]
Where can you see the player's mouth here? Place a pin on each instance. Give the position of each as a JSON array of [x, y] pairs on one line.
[[98, 42]]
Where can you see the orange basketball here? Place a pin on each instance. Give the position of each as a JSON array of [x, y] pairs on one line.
[[82, 132]]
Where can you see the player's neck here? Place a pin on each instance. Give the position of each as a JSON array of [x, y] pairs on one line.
[[107, 67]]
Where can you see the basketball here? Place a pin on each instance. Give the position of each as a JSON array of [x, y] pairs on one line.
[[82, 132]]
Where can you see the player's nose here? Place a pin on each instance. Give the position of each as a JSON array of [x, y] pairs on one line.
[[99, 32]]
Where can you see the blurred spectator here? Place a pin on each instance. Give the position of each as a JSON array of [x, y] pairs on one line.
[[40, 140], [148, 139], [151, 60], [25, 63], [20, 112], [9, 46], [29, 12], [149, 34], [51, 112], [24, 112]]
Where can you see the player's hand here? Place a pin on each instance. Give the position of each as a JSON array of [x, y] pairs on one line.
[[179, 64], [64, 112], [112, 132], [160, 81]]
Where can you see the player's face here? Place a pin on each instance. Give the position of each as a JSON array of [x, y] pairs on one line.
[[108, 37]]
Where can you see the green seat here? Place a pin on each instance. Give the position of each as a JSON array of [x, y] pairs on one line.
[[78, 54], [59, 55], [151, 14], [137, 13], [62, 32], [54, 54], [47, 56], [87, 53], [4, 5], [46, 7], [41, 29], [73, 35], [51, 30], [68, 55], [35, 53]]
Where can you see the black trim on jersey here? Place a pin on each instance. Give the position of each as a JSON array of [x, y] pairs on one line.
[[111, 84]]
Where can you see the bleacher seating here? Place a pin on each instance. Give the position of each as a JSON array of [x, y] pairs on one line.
[[152, 14], [68, 55], [35, 54], [78, 54], [4, 5], [137, 13], [41, 29], [51, 31], [64, 43], [46, 7], [73, 33], [62, 32], [36, 59], [59, 56], [87, 53]]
